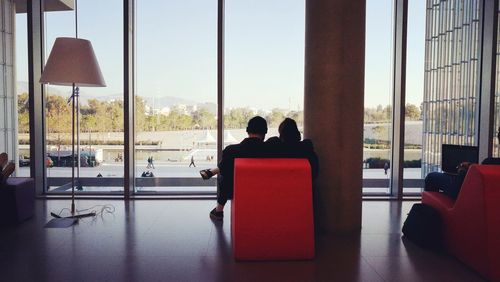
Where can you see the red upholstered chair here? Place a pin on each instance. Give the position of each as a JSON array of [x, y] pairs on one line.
[[472, 222], [272, 214]]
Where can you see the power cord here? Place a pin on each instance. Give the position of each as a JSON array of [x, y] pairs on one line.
[[104, 209]]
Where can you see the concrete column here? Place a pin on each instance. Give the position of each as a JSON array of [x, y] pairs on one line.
[[334, 108]]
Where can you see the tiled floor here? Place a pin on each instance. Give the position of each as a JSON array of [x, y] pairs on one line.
[[174, 240]]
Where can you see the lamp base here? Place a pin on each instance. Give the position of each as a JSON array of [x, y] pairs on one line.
[[74, 216]]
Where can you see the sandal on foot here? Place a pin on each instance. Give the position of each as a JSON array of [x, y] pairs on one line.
[[206, 174], [217, 215]]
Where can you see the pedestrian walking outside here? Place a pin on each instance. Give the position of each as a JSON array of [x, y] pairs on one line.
[[151, 162], [192, 162], [386, 167]]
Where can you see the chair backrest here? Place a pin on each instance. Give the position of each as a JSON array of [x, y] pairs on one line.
[[272, 214]]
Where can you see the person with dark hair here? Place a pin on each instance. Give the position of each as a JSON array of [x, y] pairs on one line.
[[252, 146], [288, 145]]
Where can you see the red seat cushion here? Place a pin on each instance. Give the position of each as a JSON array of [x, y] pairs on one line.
[[272, 215], [471, 223]]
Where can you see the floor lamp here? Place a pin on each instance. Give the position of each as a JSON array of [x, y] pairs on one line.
[[72, 62]]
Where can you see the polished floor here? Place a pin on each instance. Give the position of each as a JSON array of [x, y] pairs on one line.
[[174, 240]]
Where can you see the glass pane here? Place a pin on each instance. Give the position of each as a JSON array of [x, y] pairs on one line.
[[378, 96], [176, 97], [22, 95], [264, 65], [101, 108], [450, 89], [415, 50]]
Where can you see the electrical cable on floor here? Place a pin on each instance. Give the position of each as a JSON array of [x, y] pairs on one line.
[[104, 209]]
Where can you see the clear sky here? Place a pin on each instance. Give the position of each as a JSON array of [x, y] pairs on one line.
[[264, 45]]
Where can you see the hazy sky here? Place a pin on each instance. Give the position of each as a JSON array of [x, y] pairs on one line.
[[264, 45]]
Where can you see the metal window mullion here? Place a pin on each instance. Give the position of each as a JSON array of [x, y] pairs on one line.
[[129, 95], [487, 67], [36, 94], [399, 82], [220, 78]]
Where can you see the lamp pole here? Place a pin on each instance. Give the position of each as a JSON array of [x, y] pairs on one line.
[[73, 150]]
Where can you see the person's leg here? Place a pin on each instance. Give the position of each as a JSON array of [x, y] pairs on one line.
[[4, 158], [7, 171], [222, 197], [436, 181]]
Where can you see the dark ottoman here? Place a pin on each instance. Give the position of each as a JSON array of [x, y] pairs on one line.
[[17, 200]]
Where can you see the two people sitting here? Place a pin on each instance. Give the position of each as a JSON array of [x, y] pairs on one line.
[[288, 145]]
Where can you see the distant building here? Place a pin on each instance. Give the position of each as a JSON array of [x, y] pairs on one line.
[[450, 104]]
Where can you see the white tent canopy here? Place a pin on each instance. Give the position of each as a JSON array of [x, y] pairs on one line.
[[228, 137], [207, 139]]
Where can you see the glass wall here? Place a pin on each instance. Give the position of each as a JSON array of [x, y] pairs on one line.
[[100, 109], [378, 95], [176, 95], [264, 65], [415, 50], [451, 77], [23, 137]]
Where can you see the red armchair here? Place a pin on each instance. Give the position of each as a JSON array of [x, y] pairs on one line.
[[272, 214], [471, 223]]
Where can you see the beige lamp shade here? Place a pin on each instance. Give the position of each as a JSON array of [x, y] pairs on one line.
[[72, 60]]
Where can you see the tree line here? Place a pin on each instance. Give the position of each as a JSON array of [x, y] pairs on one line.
[[107, 116], [380, 113]]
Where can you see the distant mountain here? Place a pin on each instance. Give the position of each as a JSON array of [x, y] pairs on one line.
[[156, 102], [169, 101]]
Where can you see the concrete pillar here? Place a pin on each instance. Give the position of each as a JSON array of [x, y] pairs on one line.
[[334, 108]]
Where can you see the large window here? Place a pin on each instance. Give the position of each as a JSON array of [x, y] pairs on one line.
[[415, 51], [175, 80], [378, 95], [451, 77], [23, 137], [176, 94], [101, 109], [264, 64]]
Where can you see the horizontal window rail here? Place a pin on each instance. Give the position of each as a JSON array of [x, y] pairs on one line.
[[64, 183]]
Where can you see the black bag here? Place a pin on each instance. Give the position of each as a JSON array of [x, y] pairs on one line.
[[423, 226]]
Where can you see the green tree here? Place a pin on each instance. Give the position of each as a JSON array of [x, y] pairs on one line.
[[23, 113], [412, 112], [275, 118], [204, 119], [58, 118], [140, 114]]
